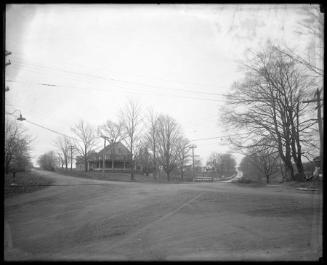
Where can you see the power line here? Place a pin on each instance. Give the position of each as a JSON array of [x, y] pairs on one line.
[[129, 89], [218, 137], [51, 130], [121, 80], [44, 127], [97, 76]]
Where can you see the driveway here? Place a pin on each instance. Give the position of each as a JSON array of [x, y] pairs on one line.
[[81, 219]]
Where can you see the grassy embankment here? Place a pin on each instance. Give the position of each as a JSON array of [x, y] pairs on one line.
[[315, 184], [25, 182], [121, 176]]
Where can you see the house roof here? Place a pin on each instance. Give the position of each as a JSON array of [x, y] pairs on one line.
[[92, 155], [118, 149], [115, 148]]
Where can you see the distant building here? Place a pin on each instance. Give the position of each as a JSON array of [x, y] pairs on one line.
[[116, 158]]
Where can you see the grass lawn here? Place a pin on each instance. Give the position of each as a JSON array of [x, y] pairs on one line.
[[312, 184], [26, 182], [120, 176], [315, 184]]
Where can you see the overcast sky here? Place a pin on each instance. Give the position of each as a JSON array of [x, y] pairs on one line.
[[177, 59]]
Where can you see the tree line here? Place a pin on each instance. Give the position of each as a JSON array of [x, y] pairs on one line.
[[153, 140], [268, 104], [17, 147]]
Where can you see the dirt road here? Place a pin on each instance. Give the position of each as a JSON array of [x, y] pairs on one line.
[[80, 219]]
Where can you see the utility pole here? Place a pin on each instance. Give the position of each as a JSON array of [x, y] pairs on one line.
[[71, 157], [193, 172], [319, 119]]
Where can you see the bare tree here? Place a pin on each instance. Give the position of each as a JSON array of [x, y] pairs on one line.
[[48, 161], [311, 24], [86, 140], [142, 157], [223, 164], [152, 139], [183, 155], [113, 132], [131, 119], [17, 146], [61, 160], [63, 143], [265, 160], [169, 135], [268, 104]]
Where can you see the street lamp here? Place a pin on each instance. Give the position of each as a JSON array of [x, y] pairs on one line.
[[21, 118]]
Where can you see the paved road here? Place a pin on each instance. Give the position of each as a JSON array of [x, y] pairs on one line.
[[80, 219]]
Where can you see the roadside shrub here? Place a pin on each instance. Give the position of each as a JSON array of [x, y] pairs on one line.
[[299, 177], [246, 180], [48, 161]]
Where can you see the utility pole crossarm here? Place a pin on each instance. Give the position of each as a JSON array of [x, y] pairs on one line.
[[311, 100]]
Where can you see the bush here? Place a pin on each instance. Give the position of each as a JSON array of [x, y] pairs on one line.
[[25, 182], [48, 161], [299, 177], [245, 180]]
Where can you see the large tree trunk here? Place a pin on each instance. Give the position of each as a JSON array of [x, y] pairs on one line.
[[268, 178], [286, 158], [168, 176], [113, 156], [155, 165], [297, 154], [132, 170], [289, 171], [7, 166], [85, 158], [85, 164]]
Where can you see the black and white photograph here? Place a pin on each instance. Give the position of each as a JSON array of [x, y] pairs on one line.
[[163, 132]]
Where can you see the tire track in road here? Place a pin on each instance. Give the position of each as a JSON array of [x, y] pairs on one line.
[[139, 231], [60, 212]]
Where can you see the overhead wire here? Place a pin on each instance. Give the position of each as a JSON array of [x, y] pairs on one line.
[[120, 80], [44, 127], [217, 137], [37, 68], [144, 92], [192, 140], [111, 72], [130, 90]]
